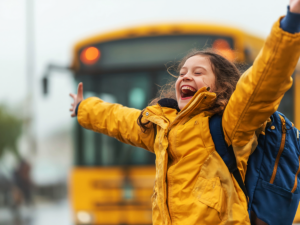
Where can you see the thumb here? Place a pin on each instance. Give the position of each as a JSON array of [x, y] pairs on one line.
[[80, 92]]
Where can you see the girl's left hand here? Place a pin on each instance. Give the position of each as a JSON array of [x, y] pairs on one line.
[[295, 6], [77, 98]]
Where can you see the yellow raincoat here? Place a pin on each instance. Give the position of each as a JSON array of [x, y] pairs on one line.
[[193, 184]]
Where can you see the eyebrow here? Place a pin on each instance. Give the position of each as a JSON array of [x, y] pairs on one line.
[[195, 67]]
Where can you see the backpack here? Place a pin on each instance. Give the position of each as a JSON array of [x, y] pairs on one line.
[[271, 182]]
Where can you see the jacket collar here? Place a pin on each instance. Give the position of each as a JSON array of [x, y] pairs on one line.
[[170, 103], [200, 101]]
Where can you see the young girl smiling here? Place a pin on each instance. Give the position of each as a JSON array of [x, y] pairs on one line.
[[193, 184]]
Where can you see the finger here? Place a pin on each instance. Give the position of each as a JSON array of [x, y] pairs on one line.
[[80, 91], [72, 95], [72, 104], [73, 115], [71, 109]]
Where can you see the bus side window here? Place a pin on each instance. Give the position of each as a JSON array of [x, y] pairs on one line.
[[89, 147], [137, 98], [108, 97]]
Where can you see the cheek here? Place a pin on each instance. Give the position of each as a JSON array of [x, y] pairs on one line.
[[177, 88], [201, 82], [213, 84], [177, 84], [205, 81]]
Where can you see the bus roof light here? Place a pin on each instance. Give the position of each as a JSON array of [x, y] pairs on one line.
[[223, 48], [90, 55]]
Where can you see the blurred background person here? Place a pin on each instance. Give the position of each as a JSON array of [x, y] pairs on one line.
[[22, 179]]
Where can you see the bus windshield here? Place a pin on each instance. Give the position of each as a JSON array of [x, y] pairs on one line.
[[149, 51]]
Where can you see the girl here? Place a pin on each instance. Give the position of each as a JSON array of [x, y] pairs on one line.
[[193, 184]]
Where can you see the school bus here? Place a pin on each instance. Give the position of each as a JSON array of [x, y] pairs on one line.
[[111, 183]]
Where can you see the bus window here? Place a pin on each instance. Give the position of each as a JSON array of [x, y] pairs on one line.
[[137, 98], [138, 93], [163, 77], [132, 90], [89, 147], [139, 157], [107, 97], [106, 149], [162, 80]]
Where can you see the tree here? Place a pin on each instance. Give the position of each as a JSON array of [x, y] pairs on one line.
[[10, 130]]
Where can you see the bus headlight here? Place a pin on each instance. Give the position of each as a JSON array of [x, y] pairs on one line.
[[84, 217]]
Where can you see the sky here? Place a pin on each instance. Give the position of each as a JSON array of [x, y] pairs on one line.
[[58, 24]]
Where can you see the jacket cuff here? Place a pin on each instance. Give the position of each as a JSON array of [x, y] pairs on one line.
[[76, 110], [291, 22]]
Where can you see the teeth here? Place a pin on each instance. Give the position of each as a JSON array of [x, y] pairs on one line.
[[188, 88]]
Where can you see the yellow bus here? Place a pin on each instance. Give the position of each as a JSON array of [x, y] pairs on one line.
[[111, 183]]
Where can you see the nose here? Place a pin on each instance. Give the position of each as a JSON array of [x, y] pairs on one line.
[[187, 77]]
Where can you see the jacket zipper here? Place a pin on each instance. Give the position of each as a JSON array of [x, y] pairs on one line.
[[280, 149], [296, 178], [177, 118], [174, 157]]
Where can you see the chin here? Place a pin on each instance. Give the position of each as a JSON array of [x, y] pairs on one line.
[[181, 105]]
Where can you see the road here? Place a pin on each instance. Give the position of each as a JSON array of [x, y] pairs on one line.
[[43, 213], [46, 214]]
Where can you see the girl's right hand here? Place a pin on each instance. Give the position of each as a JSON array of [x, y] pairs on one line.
[[77, 98], [295, 6]]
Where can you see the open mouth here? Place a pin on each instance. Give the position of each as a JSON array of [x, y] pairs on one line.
[[187, 91]]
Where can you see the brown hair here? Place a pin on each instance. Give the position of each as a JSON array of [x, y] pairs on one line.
[[226, 74]]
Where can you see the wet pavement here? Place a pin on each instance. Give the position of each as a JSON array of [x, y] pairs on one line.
[[52, 213], [43, 213]]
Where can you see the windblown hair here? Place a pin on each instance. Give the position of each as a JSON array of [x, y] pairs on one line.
[[226, 78]]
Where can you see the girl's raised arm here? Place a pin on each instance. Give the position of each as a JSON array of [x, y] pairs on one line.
[[261, 88]]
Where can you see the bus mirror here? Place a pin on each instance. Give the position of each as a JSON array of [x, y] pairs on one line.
[[45, 85]]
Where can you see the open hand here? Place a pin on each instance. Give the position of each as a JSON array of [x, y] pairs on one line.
[[77, 98], [295, 6]]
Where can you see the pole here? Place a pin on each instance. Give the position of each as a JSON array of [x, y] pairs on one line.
[[30, 58]]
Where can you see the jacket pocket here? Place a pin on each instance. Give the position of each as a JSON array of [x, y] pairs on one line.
[[210, 193]]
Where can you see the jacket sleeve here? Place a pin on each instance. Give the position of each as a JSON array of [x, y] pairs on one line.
[[261, 88], [115, 121]]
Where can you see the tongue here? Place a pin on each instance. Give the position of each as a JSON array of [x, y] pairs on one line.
[[187, 93]]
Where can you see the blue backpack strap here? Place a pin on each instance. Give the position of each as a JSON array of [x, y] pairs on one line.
[[226, 152]]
